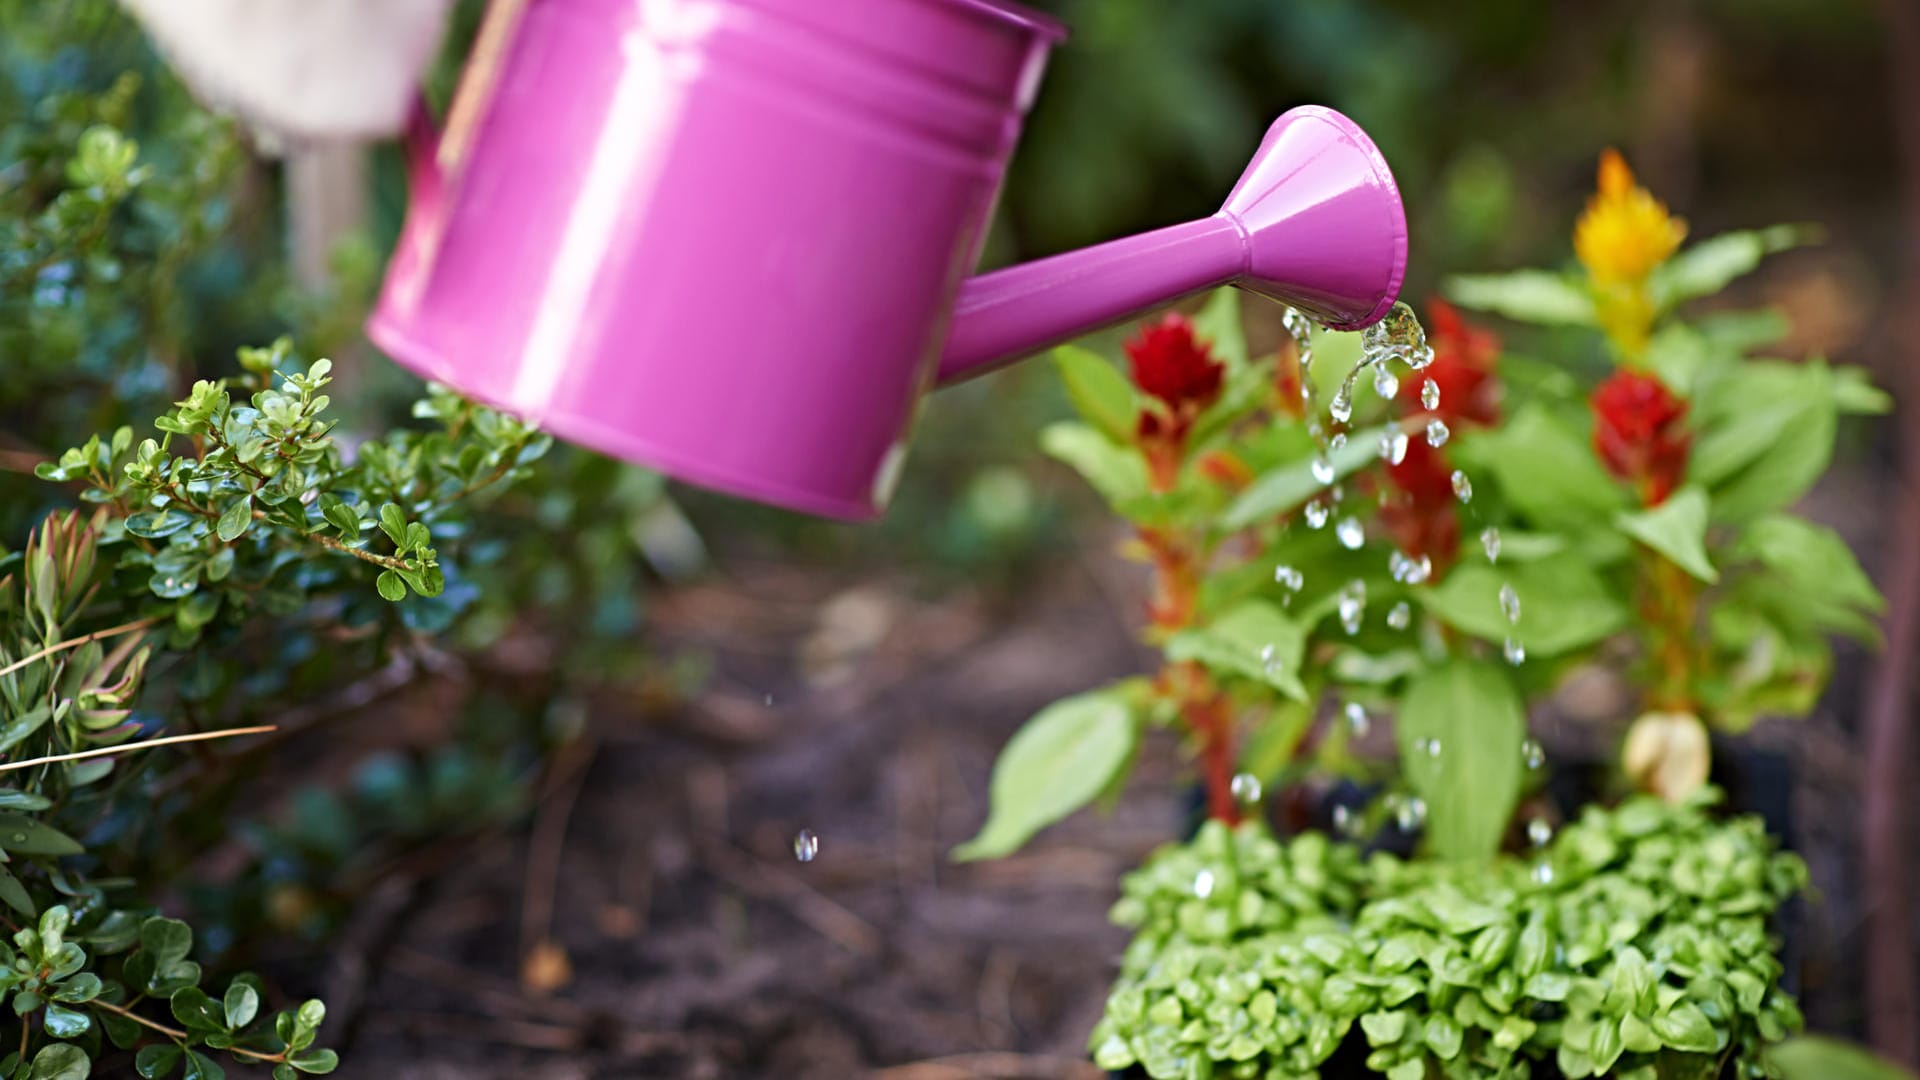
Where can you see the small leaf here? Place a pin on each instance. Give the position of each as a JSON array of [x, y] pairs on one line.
[[341, 516], [317, 1062], [202, 1067], [1255, 640], [15, 894], [391, 586], [236, 520], [1535, 296], [1711, 265], [1676, 529], [1685, 1027], [241, 1004], [1099, 392], [192, 1007], [64, 1023], [60, 1061], [29, 837], [1060, 761], [1117, 472], [393, 522], [155, 1061]]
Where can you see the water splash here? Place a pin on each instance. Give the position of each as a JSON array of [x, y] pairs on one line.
[[1430, 395], [1385, 383], [1316, 513], [1409, 570], [806, 845], [1289, 578], [1438, 433]]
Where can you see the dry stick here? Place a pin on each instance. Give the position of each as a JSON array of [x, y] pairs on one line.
[[97, 635], [104, 751], [988, 1066], [1889, 961], [548, 842]]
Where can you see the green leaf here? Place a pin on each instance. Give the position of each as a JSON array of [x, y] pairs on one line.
[[1220, 326], [60, 1061], [1814, 566], [1472, 786], [341, 516], [202, 1067], [1061, 760], [1813, 1058], [1855, 395], [15, 894], [1103, 396], [317, 1062], [64, 1023], [1255, 640], [1547, 470], [192, 1007], [235, 521], [1564, 604], [241, 1004], [1289, 487], [1766, 433], [1117, 472], [390, 586], [29, 837], [1711, 265], [157, 1060], [1685, 1027], [158, 524], [1535, 296], [393, 522], [1676, 529]]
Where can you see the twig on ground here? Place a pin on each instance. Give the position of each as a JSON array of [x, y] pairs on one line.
[[824, 915], [993, 1067], [543, 964]]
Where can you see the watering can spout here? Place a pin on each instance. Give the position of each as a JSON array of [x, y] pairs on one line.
[[1315, 222]]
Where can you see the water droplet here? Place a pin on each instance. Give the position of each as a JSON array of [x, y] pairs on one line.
[[1351, 533], [1430, 394], [1384, 383], [169, 583], [1289, 578], [1246, 789], [1543, 873], [1509, 602], [1516, 653], [1401, 616], [1427, 746], [1533, 753], [1398, 335], [1339, 440], [1539, 833], [1358, 722], [1317, 514], [1490, 541], [1203, 884], [1322, 469], [1352, 605], [19, 838], [768, 701], [1410, 814], [1393, 446], [1301, 329], [1341, 407], [806, 845], [1437, 433], [1462, 487]]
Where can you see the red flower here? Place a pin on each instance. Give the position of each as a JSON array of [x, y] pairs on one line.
[[1421, 512], [1174, 366], [1462, 368], [1639, 431]]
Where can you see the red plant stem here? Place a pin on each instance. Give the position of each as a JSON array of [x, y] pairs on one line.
[[1209, 716], [1885, 822]]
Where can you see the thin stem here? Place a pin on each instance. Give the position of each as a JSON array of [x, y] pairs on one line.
[[97, 635], [180, 1036], [106, 751]]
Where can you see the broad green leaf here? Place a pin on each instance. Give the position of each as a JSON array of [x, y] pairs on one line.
[[29, 837], [317, 1062], [235, 521], [1472, 785], [65, 1023], [1766, 433], [1103, 396], [1290, 486], [1855, 395], [60, 1061], [1564, 604], [390, 586], [1818, 570], [1547, 470], [1255, 640], [240, 1005], [1676, 529], [202, 1067], [393, 522], [1219, 325], [1685, 1027], [15, 894], [192, 1007], [341, 516], [1060, 761], [1117, 472], [1713, 264], [1813, 1058], [1535, 296], [157, 1060]]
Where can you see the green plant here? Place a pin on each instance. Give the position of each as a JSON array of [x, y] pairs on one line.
[[1634, 944]]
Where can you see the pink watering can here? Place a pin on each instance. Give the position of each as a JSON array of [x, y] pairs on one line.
[[727, 238]]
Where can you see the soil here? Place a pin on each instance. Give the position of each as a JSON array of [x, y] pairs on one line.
[[673, 932]]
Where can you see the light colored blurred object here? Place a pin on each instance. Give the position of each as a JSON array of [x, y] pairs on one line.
[[301, 69]]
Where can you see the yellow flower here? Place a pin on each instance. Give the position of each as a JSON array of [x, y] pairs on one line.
[[1625, 232]]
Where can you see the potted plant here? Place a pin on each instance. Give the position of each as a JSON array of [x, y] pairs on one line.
[[1453, 534]]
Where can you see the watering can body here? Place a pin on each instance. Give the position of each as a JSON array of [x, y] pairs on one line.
[[728, 239]]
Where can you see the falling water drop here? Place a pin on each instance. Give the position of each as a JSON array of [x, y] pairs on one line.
[[1393, 446], [1301, 329], [1428, 747], [1343, 823], [1462, 487], [1267, 655], [1411, 813], [1203, 884], [1351, 533], [1352, 605], [1341, 407], [1516, 653], [1437, 433], [1289, 578], [1358, 722], [1509, 603], [1317, 513], [1430, 394], [1533, 753], [1401, 616], [1539, 833], [1490, 542], [1543, 872], [767, 701], [806, 845], [1246, 789], [1322, 469], [1384, 383], [1339, 440]]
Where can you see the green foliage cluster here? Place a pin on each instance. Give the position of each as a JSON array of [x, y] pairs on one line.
[[1635, 945]]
